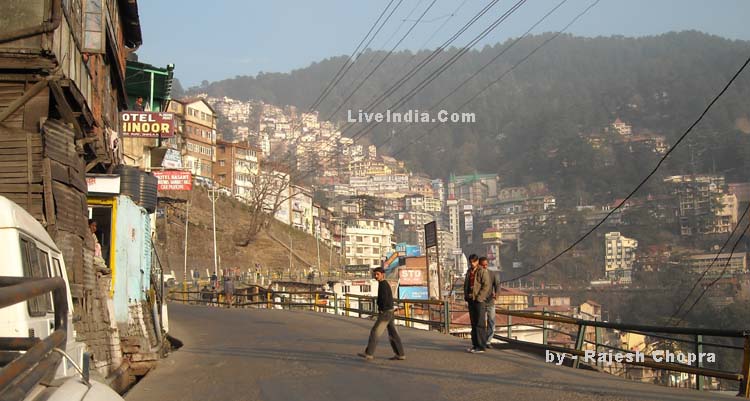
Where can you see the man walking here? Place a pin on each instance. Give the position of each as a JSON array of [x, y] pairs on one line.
[[494, 276], [476, 290], [385, 320]]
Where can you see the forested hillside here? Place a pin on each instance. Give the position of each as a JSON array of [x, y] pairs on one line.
[[533, 124]]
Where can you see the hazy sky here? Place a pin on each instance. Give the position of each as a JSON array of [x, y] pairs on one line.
[[223, 38]]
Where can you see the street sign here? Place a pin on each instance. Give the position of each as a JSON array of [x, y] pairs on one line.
[[430, 234]]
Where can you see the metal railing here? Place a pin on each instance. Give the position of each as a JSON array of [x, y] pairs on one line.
[[31, 360], [583, 335], [587, 335]]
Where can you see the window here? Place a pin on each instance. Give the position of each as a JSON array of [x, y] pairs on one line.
[[360, 249], [375, 262], [345, 289], [364, 288], [375, 251], [93, 27], [375, 240], [359, 238], [222, 163], [32, 267], [56, 268]]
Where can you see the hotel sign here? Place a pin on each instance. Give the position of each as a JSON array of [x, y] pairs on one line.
[[171, 180], [146, 124]]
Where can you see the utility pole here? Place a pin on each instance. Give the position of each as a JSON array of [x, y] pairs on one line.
[[187, 224], [317, 245], [213, 215]]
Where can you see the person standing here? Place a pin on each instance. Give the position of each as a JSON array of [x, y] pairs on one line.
[[384, 320], [476, 290], [494, 276], [228, 290]]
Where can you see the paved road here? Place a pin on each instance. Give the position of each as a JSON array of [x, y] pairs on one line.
[[270, 355]]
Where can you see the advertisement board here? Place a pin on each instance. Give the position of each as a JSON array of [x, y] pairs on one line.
[[103, 184], [172, 159], [412, 277], [146, 124], [430, 234], [417, 292], [172, 180]]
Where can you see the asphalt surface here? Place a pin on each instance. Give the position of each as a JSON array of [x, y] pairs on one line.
[[270, 355]]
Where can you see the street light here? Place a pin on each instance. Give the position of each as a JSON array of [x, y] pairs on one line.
[[213, 196]]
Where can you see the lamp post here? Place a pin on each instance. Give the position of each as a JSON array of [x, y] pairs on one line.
[[212, 195]]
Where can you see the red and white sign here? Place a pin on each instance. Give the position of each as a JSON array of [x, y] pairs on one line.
[[103, 184], [170, 180], [411, 277]]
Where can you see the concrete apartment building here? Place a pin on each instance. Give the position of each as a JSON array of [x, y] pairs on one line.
[[620, 255], [366, 241], [236, 165], [197, 131]]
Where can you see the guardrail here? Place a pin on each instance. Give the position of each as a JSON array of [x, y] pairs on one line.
[[31, 360], [584, 335]]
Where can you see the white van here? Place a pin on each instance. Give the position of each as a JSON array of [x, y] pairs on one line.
[[28, 251]]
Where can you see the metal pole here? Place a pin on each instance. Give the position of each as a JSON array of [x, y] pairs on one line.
[[317, 245], [213, 215], [291, 247], [151, 93], [429, 282], [439, 271], [187, 224]]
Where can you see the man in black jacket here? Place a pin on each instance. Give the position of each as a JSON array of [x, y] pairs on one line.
[[385, 320]]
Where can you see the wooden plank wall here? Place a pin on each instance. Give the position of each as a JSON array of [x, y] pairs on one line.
[[21, 169], [67, 178]]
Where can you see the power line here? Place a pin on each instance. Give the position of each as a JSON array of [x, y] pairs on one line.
[[452, 60], [711, 265], [445, 65], [382, 61], [422, 46], [643, 182], [348, 63], [424, 62], [721, 275], [498, 79], [396, 85]]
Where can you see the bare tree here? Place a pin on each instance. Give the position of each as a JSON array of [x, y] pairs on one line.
[[270, 188]]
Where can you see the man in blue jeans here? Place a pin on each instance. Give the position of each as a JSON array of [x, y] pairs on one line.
[[490, 305], [385, 320]]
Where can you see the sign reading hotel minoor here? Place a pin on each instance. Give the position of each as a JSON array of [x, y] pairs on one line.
[[146, 124]]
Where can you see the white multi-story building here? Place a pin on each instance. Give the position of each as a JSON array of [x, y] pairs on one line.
[[367, 240], [620, 255]]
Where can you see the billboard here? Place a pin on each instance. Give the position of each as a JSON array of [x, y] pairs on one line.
[[172, 180], [172, 159], [412, 292], [146, 124], [430, 234], [412, 277]]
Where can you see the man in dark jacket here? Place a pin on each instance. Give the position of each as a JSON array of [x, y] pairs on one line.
[[385, 320], [476, 292]]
